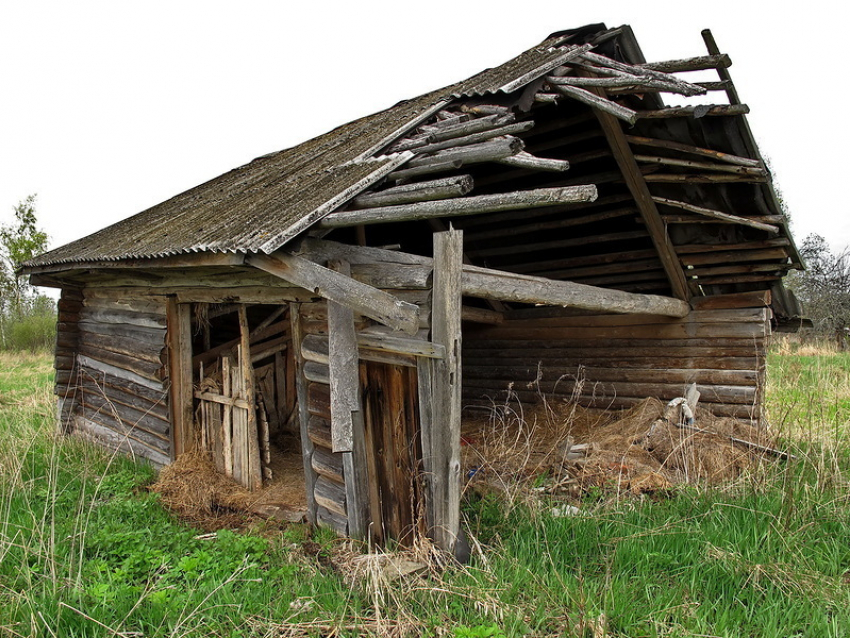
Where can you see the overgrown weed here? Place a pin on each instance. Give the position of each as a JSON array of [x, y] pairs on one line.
[[86, 550]]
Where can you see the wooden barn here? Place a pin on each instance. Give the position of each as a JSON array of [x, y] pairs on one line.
[[345, 299]]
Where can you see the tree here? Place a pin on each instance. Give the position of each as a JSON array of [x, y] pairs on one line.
[[19, 242], [26, 318], [824, 288]]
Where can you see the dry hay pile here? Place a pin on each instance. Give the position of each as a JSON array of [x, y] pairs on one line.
[[633, 450], [193, 489]]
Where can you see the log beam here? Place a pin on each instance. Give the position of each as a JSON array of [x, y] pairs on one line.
[[477, 205], [362, 298], [504, 286]]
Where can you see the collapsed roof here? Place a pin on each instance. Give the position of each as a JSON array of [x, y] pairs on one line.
[[683, 203]]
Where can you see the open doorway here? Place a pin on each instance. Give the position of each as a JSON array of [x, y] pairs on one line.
[[245, 407]]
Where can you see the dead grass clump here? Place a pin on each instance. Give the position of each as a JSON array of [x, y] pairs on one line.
[[193, 488], [635, 450]]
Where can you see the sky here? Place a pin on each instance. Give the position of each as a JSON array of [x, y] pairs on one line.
[[111, 107]]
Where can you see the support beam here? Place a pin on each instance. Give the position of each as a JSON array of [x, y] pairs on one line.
[[487, 283], [366, 300], [478, 205], [495, 284], [444, 439], [643, 198]]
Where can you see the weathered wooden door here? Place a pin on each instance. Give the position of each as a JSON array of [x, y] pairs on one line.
[[393, 451]]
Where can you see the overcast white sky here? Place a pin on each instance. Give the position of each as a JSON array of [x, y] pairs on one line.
[[111, 107]]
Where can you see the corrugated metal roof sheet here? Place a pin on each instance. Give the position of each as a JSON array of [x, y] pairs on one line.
[[265, 203]]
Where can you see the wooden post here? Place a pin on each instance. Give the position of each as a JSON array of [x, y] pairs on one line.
[[303, 415], [179, 322], [347, 423], [446, 391]]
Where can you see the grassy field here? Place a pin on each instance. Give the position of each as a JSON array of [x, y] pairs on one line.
[[86, 550]]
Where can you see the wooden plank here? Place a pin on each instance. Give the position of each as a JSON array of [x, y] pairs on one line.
[[754, 299], [227, 416], [643, 198], [725, 257], [179, 336], [476, 205], [344, 371], [446, 401], [364, 299], [425, 397], [254, 468]]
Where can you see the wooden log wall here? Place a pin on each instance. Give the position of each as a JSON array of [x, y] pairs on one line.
[[615, 361], [67, 336], [120, 396]]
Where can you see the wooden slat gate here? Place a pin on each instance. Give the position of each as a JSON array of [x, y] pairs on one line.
[[227, 418]]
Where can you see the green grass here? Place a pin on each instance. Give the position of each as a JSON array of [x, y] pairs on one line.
[[86, 550]]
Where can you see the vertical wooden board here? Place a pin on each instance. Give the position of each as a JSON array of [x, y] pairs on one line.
[[424, 372], [391, 427], [342, 361], [357, 479], [347, 424], [373, 456], [254, 466], [179, 338], [303, 414], [239, 423], [227, 417], [446, 410]]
